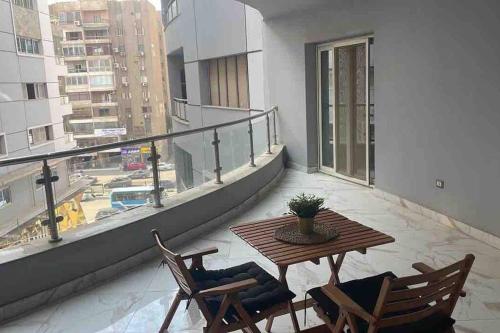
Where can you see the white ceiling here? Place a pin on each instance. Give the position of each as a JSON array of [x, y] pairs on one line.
[[273, 8]]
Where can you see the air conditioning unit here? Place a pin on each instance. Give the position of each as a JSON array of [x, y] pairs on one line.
[[141, 53], [143, 68], [122, 54], [125, 84], [117, 65], [78, 23], [116, 50], [144, 84], [124, 68], [146, 99]]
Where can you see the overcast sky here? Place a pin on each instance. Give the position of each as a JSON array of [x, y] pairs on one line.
[[156, 3]]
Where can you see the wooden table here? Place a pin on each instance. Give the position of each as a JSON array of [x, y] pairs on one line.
[[353, 236]]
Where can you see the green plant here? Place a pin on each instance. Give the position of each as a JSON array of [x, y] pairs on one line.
[[304, 205]]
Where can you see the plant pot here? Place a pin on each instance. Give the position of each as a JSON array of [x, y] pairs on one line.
[[306, 225]]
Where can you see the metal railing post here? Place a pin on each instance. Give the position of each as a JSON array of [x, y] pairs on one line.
[[268, 134], [274, 126], [156, 178], [252, 155], [52, 221], [217, 158]]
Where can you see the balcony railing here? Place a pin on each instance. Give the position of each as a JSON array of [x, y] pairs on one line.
[[224, 146], [179, 108]]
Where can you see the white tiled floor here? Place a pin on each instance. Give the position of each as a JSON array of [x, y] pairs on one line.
[[138, 301]]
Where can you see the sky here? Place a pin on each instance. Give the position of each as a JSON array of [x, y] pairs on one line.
[[156, 3]]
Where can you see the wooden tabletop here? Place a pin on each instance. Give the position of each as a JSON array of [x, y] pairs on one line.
[[353, 236]]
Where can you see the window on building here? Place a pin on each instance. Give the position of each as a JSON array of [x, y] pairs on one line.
[[3, 145], [76, 80], [77, 67], [79, 96], [83, 128], [139, 30], [147, 124], [30, 4], [28, 45], [172, 11], [39, 135], [5, 196], [74, 51], [229, 82], [104, 112], [35, 90], [74, 35], [101, 80], [119, 31], [121, 48], [69, 17], [100, 65], [140, 47], [96, 34]]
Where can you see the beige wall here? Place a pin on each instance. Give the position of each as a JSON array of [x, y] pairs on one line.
[[26, 22]]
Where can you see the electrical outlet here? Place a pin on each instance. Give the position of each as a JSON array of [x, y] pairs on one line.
[[439, 183]]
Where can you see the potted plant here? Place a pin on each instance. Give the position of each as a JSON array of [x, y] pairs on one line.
[[305, 207]]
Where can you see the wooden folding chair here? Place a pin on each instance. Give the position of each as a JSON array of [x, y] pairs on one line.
[[385, 303], [230, 299]]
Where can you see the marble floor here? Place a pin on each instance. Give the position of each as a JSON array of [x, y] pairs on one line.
[[137, 301]]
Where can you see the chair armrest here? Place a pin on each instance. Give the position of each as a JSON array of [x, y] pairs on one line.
[[346, 303], [230, 288], [424, 268], [200, 253]]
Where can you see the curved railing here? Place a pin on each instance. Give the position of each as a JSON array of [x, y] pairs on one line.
[[47, 176]]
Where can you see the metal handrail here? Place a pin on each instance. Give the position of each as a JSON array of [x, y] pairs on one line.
[[106, 146], [48, 178]]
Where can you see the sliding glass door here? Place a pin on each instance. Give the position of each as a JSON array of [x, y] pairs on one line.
[[344, 108]]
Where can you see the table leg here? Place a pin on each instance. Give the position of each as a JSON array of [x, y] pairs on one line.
[[335, 267], [282, 278]]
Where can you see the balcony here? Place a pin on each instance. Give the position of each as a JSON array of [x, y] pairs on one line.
[[94, 24], [138, 300], [179, 109]]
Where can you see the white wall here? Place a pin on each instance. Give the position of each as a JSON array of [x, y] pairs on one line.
[[436, 96]]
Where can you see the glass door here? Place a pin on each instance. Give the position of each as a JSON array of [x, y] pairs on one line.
[[343, 109]]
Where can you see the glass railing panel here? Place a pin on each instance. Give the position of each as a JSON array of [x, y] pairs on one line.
[[260, 135], [189, 161], [22, 205], [234, 147]]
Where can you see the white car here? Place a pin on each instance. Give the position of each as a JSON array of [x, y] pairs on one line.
[[162, 166]]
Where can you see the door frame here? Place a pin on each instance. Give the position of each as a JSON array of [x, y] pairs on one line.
[[331, 46]]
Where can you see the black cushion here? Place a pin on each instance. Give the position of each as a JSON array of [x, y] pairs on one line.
[[266, 294], [365, 292]]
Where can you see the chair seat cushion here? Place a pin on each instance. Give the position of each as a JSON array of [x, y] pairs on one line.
[[267, 293], [365, 292]]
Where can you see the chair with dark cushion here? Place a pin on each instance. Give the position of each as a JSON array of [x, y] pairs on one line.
[[230, 299], [387, 304]]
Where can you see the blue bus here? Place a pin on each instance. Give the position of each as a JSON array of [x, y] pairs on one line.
[[129, 197]]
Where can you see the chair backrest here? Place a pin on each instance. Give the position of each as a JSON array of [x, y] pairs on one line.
[[414, 298], [177, 266]]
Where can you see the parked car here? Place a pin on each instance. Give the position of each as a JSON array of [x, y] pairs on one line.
[[131, 166], [106, 212], [140, 174], [162, 166], [119, 182]]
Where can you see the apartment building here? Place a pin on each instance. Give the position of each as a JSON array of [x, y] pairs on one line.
[[31, 111], [212, 80], [116, 76]]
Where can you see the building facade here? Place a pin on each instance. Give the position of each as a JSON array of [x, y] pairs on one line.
[[116, 77], [214, 56], [31, 111]]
